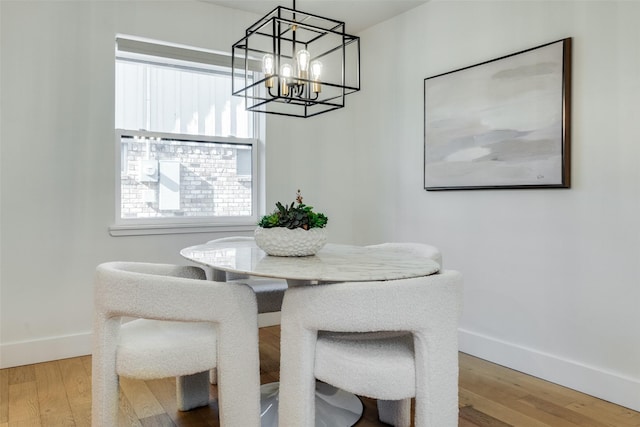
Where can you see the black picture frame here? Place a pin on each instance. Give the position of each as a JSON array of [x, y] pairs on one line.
[[503, 123]]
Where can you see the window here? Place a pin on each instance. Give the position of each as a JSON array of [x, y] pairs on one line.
[[188, 149]]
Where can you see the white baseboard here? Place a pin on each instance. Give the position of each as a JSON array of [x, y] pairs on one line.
[[616, 388], [63, 347], [268, 319], [43, 350]]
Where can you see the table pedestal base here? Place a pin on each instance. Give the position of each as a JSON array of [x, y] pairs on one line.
[[334, 407]]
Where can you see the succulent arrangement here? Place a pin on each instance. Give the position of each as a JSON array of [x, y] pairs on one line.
[[294, 216]]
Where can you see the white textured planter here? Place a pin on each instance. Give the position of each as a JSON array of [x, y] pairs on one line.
[[281, 241]]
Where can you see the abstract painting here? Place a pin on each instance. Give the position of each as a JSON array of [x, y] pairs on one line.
[[504, 123]]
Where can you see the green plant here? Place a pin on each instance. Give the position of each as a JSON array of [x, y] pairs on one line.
[[294, 216]]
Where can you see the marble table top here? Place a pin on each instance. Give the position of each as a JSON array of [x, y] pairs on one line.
[[333, 263]]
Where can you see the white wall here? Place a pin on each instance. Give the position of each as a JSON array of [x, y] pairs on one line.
[[58, 159], [316, 155], [552, 279]]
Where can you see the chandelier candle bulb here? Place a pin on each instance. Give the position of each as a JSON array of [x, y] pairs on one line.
[[316, 70], [302, 57], [286, 72], [268, 69]]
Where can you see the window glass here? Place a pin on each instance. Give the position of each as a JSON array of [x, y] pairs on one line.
[[243, 162], [171, 178]]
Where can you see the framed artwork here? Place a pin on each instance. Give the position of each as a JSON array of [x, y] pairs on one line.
[[504, 123]]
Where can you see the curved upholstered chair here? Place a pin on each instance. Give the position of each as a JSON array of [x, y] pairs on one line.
[[420, 249], [184, 325], [388, 340], [269, 292]]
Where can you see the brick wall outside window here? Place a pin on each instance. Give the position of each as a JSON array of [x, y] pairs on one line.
[[209, 183]]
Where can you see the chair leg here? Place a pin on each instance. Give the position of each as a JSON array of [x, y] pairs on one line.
[[192, 391], [436, 402], [105, 400], [296, 406], [213, 376], [395, 412], [104, 381]]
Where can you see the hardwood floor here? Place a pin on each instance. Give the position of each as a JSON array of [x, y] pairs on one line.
[[58, 393]]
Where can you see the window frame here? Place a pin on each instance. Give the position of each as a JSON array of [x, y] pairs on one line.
[[183, 225]]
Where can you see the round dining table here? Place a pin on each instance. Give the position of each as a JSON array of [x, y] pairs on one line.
[[334, 263]]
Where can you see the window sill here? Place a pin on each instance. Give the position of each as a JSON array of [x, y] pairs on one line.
[[153, 229]]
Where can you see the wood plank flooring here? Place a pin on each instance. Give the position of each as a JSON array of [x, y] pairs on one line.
[[58, 393]]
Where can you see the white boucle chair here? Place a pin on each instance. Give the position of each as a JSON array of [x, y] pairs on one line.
[[388, 340], [403, 409], [269, 292], [184, 325]]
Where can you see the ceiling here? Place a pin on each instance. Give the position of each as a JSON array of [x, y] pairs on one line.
[[356, 14]]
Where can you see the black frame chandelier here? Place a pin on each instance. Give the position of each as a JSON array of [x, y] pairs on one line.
[[294, 63]]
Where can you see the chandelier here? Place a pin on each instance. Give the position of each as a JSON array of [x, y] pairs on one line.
[[294, 63]]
